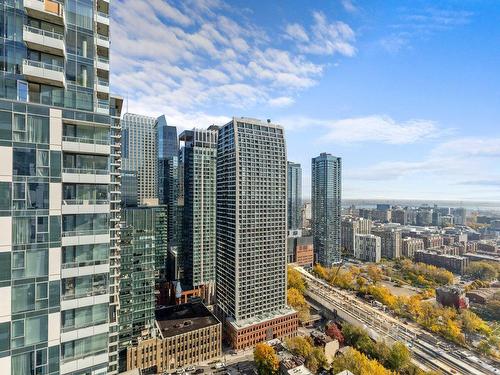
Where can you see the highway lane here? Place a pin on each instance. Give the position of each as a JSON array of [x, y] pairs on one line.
[[389, 327]]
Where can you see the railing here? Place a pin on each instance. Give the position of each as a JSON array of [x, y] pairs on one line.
[[67, 138], [85, 171], [103, 60], [84, 264], [71, 202], [102, 14], [103, 104], [102, 82], [89, 324], [40, 64], [95, 292], [88, 232], [102, 37], [46, 33]]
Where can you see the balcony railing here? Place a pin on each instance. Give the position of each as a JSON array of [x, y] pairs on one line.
[[103, 37], [103, 60], [71, 202], [67, 138], [88, 232], [40, 64], [45, 33], [102, 82], [84, 264], [85, 171], [102, 14], [102, 104]]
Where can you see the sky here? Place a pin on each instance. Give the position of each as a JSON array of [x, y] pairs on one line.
[[406, 92]]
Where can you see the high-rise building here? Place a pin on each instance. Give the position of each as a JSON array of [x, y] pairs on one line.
[[391, 241], [460, 215], [251, 232], [58, 189], [368, 248], [169, 179], [143, 245], [294, 196], [199, 166], [350, 227], [326, 208], [139, 157]]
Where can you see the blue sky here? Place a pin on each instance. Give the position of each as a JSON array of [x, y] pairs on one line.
[[406, 92]]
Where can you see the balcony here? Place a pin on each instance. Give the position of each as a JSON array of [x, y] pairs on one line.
[[102, 63], [40, 72], [102, 106], [101, 17], [102, 41], [46, 10], [85, 175], [84, 206], [44, 41], [86, 145], [102, 85]]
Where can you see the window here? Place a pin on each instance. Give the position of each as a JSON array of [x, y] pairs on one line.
[[5, 125], [30, 263], [5, 196], [24, 162], [22, 91]]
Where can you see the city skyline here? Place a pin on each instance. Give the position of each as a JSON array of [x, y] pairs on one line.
[[362, 82]]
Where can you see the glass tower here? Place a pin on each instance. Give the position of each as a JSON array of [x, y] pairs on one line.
[[139, 158], [294, 196], [143, 250], [58, 188], [326, 208], [199, 164]]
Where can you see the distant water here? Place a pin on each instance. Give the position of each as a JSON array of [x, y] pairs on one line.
[[469, 205]]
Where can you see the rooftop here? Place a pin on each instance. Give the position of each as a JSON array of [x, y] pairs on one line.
[[180, 319]]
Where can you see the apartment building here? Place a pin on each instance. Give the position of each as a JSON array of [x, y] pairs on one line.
[[368, 248], [59, 188]]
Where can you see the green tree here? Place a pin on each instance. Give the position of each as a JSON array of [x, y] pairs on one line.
[[399, 357], [482, 271], [266, 360]]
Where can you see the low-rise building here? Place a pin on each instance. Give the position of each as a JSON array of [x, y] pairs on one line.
[[452, 296], [481, 296], [390, 241], [187, 334], [452, 263]]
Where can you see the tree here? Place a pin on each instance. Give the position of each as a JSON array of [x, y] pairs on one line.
[[482, 271], [298, 302], [314, 357], [266, 360], [471, 323], [295, 280], [358, 364], [374, 273], [334, 332], [399, 357]]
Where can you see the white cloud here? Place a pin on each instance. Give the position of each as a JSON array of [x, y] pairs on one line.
[[349, 5], [189, 56], [324, 37], [375, 128], [282, 101]]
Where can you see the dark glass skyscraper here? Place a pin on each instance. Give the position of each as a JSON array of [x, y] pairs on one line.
[[326, 208], [294, 196], [199, 165]]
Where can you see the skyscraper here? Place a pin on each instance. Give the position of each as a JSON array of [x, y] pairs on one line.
[[199, 166], [143, 248], [326, 208], [139, 157], [167, 146], [58, 188], [251, 232], [294, 197]]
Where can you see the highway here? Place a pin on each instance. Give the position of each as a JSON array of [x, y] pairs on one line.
[[429, 352]]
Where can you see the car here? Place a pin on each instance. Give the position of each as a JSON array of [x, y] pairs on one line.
[[199, 371], [180, 371], [220, 365], [190, 368]]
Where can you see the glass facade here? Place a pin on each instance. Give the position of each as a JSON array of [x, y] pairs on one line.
[[294, 196], [326, 208], [54, 95]]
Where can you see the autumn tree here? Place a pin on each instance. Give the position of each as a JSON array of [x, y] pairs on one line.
[[302, 346], [375, 273], [298, 302], [295, 280], [358, 364], [266, 360], [334, 332]]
